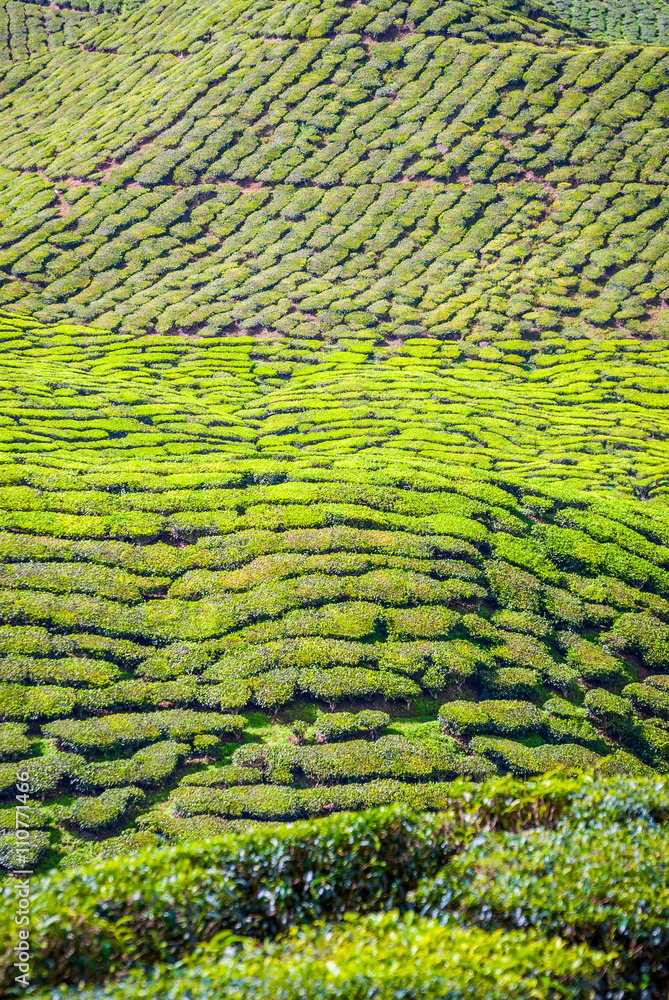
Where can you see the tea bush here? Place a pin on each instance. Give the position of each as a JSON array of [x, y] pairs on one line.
[[384, 953], [648, 698], [106, 809], [524, 761], [536, 879], [112, 732], [265, 880], [151, 766], [339, 725], [333, 374], [503, 717], [14, 744]]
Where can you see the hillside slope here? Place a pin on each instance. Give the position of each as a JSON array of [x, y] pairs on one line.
[[333, 449], [332, 171]]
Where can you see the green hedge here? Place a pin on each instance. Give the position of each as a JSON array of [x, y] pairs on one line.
[[262, 881], [503, 718], [45, 774], [648, 698], [614, 714], [360, 862], [14, 744], [596, 881], [382, 955], [339, 725], [391, 756], [523, 761], [225, 776], [149, 767], [645, 634], [105, 810], [68, 672], [593, 663], [115, 732], [31, 852], [26, 704], [274, 802], [512, 682]]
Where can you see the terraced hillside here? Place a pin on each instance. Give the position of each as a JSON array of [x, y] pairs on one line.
[[334, 377], [233, 588], [333, 173]]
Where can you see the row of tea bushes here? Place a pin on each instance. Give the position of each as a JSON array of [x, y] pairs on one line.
[[360, 542], [453, 177], [604, 717], [278, 803], [33, 31], [113, 732], [505, 258], [315, 20], [50, 410], [429, 960], [248, 674], [536, 877], [481, 846], [645, 23]]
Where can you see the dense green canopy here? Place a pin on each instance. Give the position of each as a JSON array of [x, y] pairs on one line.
[[333, 458]]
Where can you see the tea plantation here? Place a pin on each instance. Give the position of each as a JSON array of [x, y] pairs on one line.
[[334, 478]]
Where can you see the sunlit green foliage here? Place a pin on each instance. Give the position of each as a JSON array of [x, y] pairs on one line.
[[552, 887], [359, 551], [333, 428]]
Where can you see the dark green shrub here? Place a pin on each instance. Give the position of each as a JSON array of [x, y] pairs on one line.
[[562, 677], [562, 708], [648, 698], [24, 704], [559, 727], [593, 663], [31, 852], [68, 672], [642, 633], [653, 738], [337, 961], [229, 774], [614, 714], [511, 682], [523, 761], [343, 867], [206, 744], [368, 861], [150, 767], [45, 774]]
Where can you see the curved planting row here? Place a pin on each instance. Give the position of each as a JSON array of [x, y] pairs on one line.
[[235, 589]]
